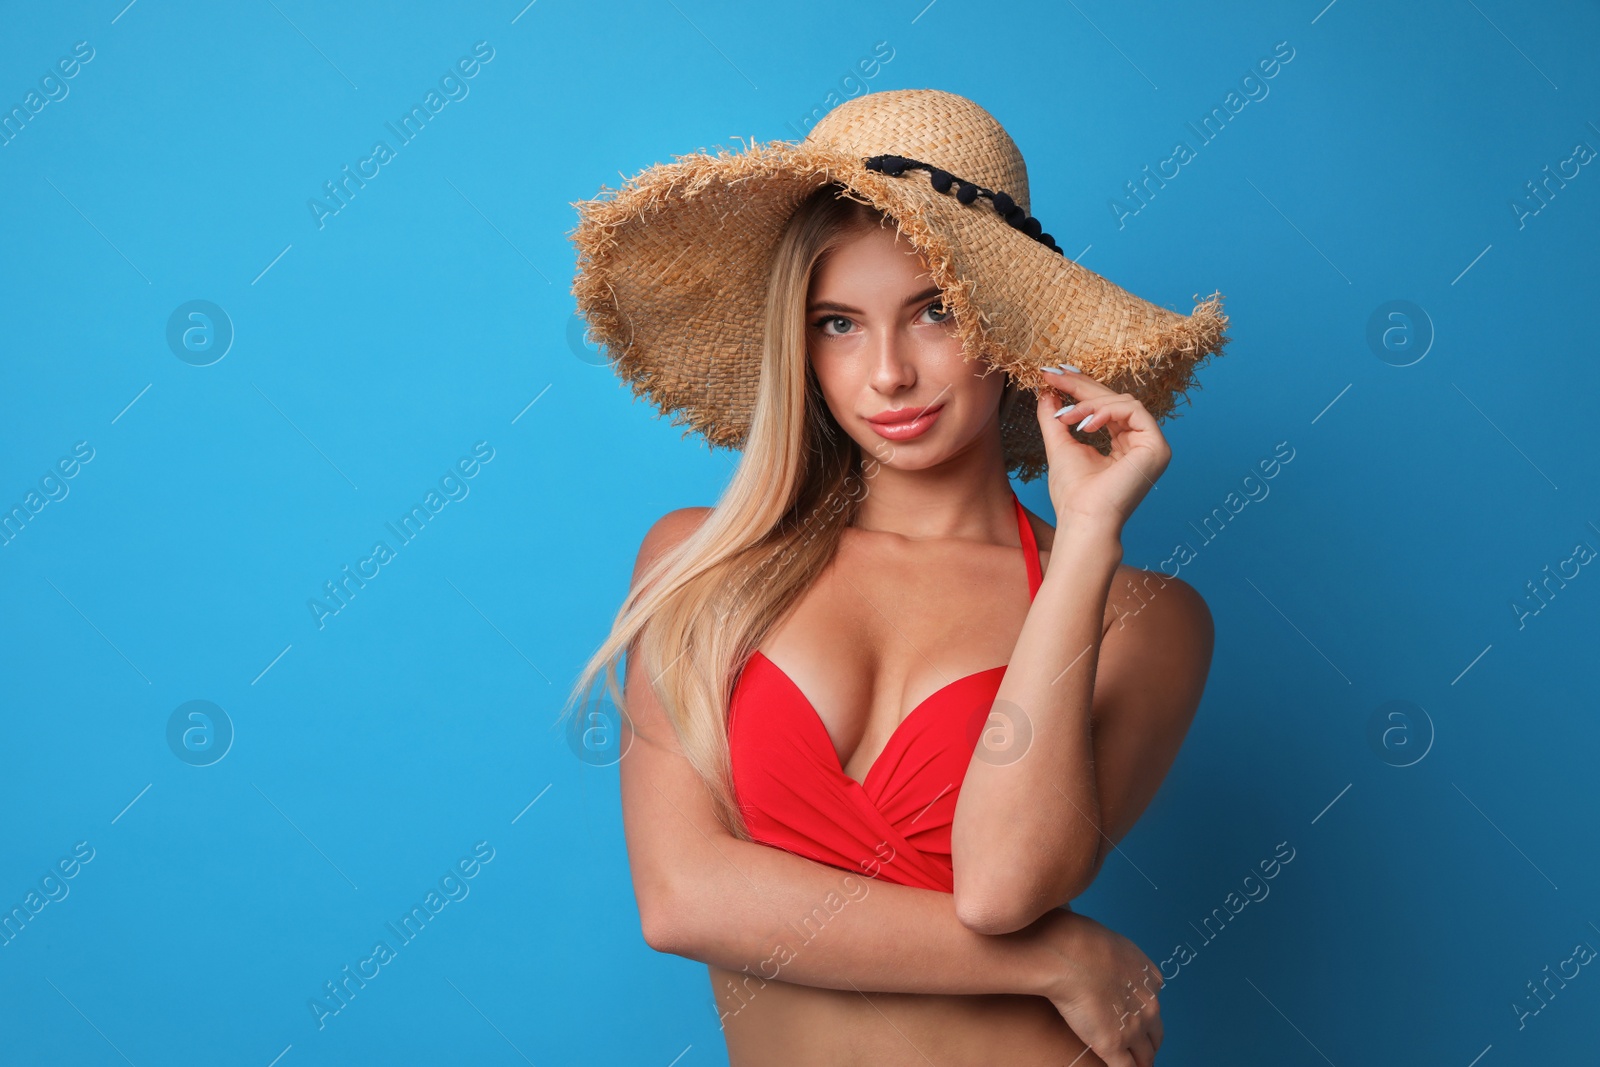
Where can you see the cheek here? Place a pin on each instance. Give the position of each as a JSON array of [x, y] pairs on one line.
[[980, 396], [828, 368], [840, 381], [946, 350]]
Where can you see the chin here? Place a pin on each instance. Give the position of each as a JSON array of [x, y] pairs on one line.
[[915, 455]]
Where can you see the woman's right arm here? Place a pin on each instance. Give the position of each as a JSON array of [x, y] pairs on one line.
[[704, 894]]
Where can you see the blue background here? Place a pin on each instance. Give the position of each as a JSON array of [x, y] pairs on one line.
[[1441, 859]]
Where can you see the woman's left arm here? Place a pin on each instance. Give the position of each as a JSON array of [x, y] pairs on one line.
[[1092, 715]]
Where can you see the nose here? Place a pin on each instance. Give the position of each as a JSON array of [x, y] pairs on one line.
[[893, 365]]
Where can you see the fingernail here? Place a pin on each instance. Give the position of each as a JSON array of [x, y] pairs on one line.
[[1053, 370], [1069, 407], [1085, 422], [1070, 367], [1062, 412]]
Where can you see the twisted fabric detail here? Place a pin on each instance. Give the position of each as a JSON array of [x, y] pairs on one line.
[[967, 192]]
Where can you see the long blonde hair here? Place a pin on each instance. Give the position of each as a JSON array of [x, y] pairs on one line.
[[703, 607]]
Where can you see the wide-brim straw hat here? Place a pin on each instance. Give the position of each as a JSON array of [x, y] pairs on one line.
[[672, 267]]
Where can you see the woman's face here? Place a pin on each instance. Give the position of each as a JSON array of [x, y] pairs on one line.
[[884, 346]]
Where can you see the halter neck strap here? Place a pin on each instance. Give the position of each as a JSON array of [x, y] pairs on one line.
[[1030, 548]]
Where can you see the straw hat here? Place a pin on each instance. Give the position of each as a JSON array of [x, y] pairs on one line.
[[672, 267]]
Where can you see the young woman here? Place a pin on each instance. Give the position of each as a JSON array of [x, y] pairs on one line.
[[871, 754]]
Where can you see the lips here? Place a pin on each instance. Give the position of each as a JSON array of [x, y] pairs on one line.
[[902, 416], [904, 424]]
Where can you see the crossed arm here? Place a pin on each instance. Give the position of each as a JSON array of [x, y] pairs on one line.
[[709, 896], [1104, 680]]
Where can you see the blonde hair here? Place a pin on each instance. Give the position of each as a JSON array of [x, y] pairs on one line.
[[703, 607]]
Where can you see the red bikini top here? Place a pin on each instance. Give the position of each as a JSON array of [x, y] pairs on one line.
[[895, 825]]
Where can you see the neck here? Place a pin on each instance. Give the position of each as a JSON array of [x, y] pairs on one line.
[[974, 505]]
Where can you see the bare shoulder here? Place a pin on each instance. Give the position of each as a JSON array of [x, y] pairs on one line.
[[1134, 589], [1169, 611], [666, 534], [644, 715], [1155, 654]]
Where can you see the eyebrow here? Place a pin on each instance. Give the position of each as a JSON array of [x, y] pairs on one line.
[[829, 305]]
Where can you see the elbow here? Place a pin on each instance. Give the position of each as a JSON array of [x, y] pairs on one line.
[[994, 909], [989, 915], [663, 921], [1005, 909], [659, 932]]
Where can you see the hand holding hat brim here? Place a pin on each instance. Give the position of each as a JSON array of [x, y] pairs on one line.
[[1091, 491]]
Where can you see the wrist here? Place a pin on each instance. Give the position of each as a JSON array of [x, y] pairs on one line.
[[1041, 968], [1050, 957], [1087, 542], [1090, 530]]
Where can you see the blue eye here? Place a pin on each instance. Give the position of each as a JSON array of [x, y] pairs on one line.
[[822, 323], [937, 308]]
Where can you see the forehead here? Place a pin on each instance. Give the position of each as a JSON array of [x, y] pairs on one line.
[[870, 258]]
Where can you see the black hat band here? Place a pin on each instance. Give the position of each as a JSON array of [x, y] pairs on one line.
[[966, 192]]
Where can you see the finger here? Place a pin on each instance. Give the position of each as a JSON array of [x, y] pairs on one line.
[[1144, 1054], [1149, 1002], [1117, 409], [1056, 431], [1075, 383], [1147, 1028], [1115, 1057], [1130, 429], [1150, 1027], [1090, 403]]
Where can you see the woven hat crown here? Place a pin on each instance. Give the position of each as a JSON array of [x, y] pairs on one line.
[[940, 128]]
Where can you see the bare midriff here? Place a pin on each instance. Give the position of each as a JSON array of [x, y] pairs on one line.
[[780, 1024]]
